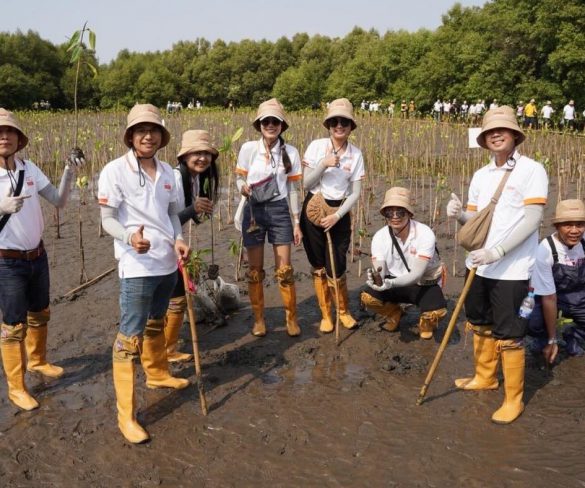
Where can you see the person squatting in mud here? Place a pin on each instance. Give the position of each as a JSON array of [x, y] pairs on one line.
[[505, 263], [24, 266], [138, 198], [333, 170], [268, 171], [559, 283], [197, 180], [404, 254]]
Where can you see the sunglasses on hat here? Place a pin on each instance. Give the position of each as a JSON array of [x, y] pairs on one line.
[[335, 121], [270, 121]]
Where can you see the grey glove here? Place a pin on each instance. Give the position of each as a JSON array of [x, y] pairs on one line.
[[10, 204]]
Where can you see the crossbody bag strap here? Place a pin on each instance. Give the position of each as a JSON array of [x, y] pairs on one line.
[[498, 193], [553, 249], [19, 185], [395, 242]]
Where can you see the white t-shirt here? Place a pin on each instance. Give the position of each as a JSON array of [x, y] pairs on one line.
[[181, 193], [335, 182], [420, 244], [527, 185], [147, 204], [569, 112], [255, 163], [542, 277], [547, 111], [24, 228]]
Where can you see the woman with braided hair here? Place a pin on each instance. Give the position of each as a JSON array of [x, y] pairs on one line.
[[268, 171], [333, 167]]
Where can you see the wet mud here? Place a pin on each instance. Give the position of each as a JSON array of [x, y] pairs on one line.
[[282, 411]]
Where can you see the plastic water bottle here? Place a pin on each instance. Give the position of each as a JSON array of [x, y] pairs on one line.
[[527, 305]]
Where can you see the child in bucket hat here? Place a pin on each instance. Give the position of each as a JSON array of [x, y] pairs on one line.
[[138, 198]]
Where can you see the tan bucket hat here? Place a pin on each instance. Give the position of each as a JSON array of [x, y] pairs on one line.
[[503, 117], [145, 113], [270, 108], [8, 119], [569, 211], [197, 140], [397, 196], [341, 107]]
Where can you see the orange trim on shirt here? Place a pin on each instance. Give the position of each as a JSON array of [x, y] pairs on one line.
[[294, 177], [535, 201], [426, 258], [103, 200], [241, 171], [471, 208]]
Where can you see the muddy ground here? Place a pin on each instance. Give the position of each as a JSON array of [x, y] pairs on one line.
[[283, 411]]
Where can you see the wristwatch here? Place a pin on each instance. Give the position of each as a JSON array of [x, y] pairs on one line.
[[554, 340]]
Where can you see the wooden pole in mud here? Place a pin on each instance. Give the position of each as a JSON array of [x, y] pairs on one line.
[[447, 336], [335, 284], [195, 341]]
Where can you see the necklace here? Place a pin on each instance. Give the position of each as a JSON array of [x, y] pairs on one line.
[[336, 151]]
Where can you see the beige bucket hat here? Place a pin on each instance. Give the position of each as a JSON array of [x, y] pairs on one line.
[[8, 119], [503, 117], [569, 211], [270, 108], [197, 140], [341, 107], [397, 196], [145, 113]]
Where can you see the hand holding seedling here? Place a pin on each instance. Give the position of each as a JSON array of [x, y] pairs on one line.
[[10, 204], [76, 158], [203, 205], [454, 207], [182, 250], [138, 242]]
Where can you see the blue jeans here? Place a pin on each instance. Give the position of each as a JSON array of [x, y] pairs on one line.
[[144, 298], [24, 287]]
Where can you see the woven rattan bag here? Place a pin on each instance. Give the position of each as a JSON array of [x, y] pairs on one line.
[[317, 208]]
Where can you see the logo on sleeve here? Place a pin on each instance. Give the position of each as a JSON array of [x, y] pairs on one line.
[[167, 186], [29, 181]]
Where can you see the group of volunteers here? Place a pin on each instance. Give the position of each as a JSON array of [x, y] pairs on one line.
[[144, 202]]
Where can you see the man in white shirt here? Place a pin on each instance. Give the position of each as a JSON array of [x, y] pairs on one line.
[[569, 115], [24, 267], [559, 282], [505, 262], [404, 255], [138, 198], [546, 113]]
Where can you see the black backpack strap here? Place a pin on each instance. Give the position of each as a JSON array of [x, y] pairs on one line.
[[553, 249], [583, 244], [19, 185], [395, 242]]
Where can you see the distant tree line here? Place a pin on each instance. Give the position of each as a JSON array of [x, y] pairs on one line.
[[508, 49]]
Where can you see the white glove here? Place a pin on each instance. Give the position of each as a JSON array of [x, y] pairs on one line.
[[10, 204], [388, 283], [370, 279], [486, 256], [76, 158], [454, 207]]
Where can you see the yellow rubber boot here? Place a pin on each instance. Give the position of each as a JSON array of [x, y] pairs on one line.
[[344, 316], [13, 358], [513, 364], [485, 359], [256, 293], [36, 345], [390, 311], [324, 299], [124, 351], [286, 284], [154, 358], [173, 324], [429, 321]]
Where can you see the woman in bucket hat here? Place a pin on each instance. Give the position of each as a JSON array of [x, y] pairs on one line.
[[268, 172], [197, 179], [505, 263], [404, 252], [334, 167], [138, 199], [559, 282], [24, 268]]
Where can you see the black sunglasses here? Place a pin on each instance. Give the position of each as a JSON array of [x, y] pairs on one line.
[[270, 121], [399, 213], [335, 121]]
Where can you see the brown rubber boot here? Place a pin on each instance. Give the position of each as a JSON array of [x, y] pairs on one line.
[[124, 351], [513, 364], [154, 358], [173, 324], [344, 316], [256, 293], [13, 358], [390, 311], [485, 358], [286, 284], [36, 345], [429, 321], [324, 299]]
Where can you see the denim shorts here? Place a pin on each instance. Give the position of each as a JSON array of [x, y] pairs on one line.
[[272, 218], [143, 298], [24, 287]]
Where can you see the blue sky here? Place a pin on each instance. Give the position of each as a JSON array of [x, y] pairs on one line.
[[151, 25]]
